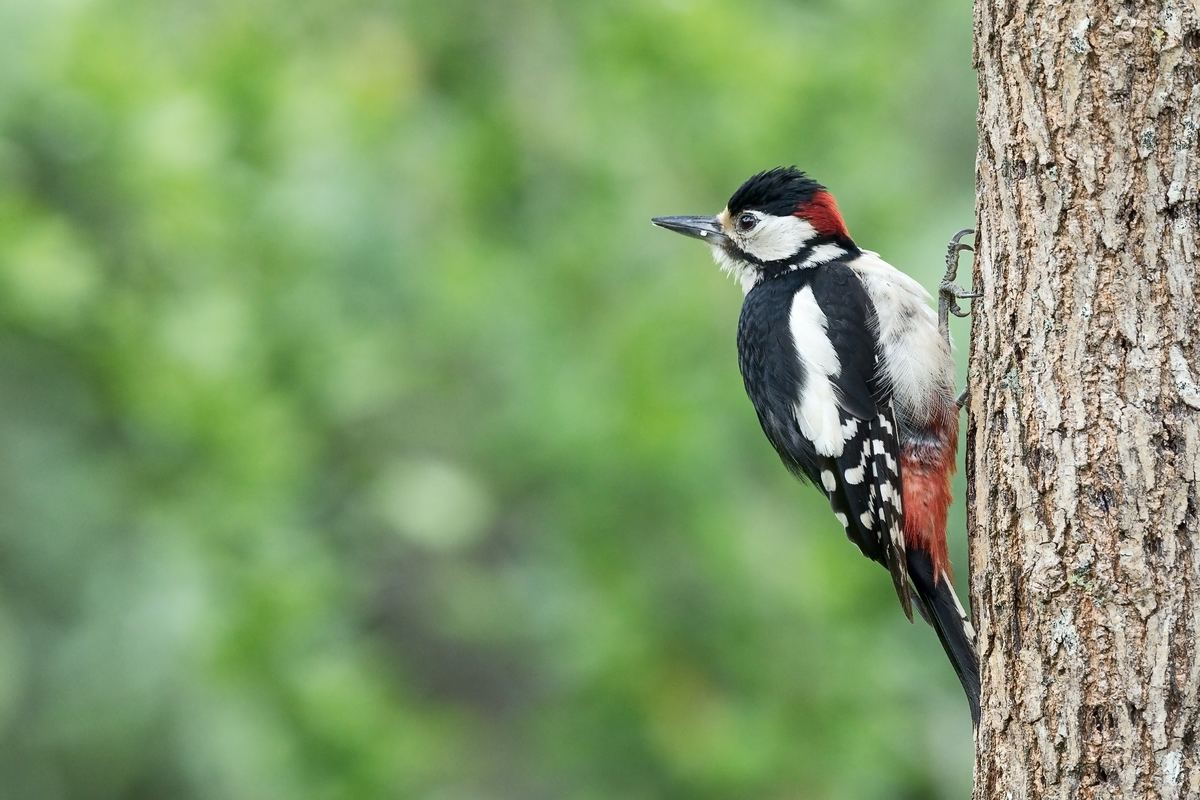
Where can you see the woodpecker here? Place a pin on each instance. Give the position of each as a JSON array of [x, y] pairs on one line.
[[853, 383]]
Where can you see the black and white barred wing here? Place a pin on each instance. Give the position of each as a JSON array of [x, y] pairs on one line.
[[885, 495], [847, 415], [863, 486]]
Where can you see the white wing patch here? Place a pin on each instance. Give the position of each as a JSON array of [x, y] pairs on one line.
[[817, 408]]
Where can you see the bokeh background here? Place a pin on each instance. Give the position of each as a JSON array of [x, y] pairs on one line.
[[360, 438]]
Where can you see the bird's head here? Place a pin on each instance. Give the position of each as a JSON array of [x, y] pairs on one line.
[[777, 221]]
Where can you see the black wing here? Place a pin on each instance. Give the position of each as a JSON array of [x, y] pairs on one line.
[[816, 328], [863, 480]]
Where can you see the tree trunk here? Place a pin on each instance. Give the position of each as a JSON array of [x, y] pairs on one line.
[[1084, 435]]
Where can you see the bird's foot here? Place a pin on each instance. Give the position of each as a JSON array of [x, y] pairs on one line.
[[949, 292]]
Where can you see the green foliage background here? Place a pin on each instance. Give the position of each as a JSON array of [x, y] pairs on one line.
[[360, 438]]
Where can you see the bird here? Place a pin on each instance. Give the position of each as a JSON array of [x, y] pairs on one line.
[[852, 381]]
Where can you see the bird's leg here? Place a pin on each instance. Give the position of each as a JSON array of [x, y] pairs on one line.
[[949, 292]]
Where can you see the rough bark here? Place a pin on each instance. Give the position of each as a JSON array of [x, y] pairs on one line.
[[1084, 435]]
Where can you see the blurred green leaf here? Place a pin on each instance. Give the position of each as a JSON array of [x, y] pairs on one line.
[[361, 438]]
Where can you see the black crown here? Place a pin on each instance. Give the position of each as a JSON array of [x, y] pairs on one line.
[[776, 191]]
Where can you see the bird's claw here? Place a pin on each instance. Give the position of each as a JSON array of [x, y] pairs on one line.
[[956, 245], [953, 250], [949, 292]]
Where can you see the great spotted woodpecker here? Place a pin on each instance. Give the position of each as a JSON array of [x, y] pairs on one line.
[[852, 381]]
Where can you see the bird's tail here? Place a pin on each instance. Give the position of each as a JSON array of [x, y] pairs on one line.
[[940, 607]]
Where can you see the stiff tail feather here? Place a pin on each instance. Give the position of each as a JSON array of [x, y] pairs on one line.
[[940, 607]]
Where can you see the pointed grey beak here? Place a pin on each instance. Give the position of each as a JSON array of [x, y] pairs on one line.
[[706, 228]]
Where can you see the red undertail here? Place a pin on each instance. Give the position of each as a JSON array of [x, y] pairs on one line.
[[927, 464]]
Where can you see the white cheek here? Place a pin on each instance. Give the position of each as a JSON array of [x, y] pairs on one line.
[[777, 238]]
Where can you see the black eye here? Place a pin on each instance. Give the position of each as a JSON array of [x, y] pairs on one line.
[[746, 222]]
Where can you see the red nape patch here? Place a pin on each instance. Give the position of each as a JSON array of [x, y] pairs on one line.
[[822, 212]]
